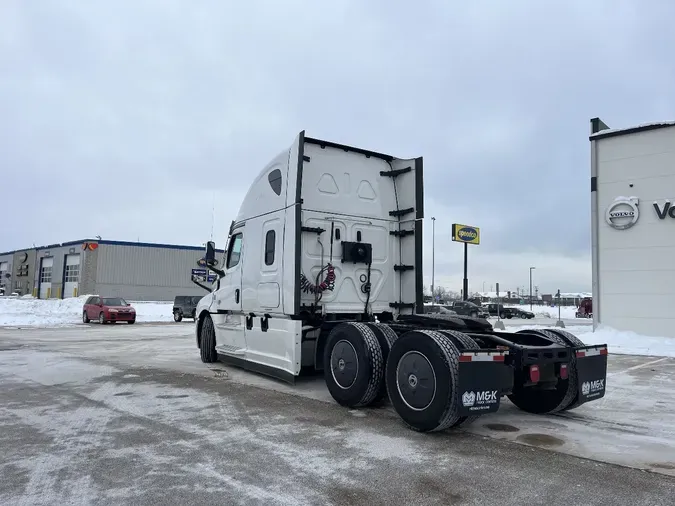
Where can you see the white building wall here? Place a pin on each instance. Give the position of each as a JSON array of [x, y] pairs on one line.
[[634, 285]]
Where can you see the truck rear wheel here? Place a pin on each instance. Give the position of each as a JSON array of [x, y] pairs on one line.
[[463, 342], [353, 365], [207, 341], [573, 341], [540, 401], [421, 375], [386, 337]]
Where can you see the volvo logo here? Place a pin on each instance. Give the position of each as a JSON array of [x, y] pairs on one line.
[[622, 213]]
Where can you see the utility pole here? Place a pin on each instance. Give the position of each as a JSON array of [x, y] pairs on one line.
[[433, 258], [531, 268]]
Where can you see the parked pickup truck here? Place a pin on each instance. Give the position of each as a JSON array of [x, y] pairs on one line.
[[467, 308]]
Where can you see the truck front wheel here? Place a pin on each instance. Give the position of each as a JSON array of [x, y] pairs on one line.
[[207, 341], [353, 365]]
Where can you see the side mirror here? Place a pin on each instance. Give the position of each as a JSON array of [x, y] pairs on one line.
[[210, 255]]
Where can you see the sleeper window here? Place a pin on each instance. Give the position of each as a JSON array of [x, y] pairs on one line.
[[270, 240], [274, 179]]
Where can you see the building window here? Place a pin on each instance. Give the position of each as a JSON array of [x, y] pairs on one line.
[[270, 240], [46, 275], [274, 179], [72, 273]]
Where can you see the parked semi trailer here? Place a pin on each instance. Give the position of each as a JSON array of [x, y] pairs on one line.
[[323, 270]]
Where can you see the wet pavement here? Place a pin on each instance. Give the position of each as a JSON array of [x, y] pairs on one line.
[[129, 415]]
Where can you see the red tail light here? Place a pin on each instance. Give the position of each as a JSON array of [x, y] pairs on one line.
[[534, 373], [563, 371]]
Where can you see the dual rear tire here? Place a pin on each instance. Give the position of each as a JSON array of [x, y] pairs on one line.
[[364, 363], [561, 397]]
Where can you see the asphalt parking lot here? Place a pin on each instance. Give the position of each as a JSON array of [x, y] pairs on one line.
[[129, 415]]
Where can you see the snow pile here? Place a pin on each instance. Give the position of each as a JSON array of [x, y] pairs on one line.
[[629, 343], [28, 311], [618, 341], [566, 312]]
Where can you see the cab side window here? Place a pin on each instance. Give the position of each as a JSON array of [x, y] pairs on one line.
[[234, 254]]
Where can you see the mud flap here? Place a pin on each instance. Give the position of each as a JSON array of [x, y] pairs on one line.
[[591, 372], [483, 376]]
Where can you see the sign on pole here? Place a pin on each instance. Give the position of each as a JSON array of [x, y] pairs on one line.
[[468, 235], [465, 233]]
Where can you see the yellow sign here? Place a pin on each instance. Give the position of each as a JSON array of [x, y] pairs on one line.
[[465, 233]]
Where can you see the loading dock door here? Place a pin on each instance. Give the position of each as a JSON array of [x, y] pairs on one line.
[[46, 277], [71, 276]]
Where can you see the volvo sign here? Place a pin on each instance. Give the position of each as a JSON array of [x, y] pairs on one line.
[[622, 213]]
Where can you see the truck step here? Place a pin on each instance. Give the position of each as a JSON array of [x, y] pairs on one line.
[[401, 233], [404, 267], [230, 350], [402, 212], [395, 173]]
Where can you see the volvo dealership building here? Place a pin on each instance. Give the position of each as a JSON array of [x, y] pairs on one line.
[[132, 270], [633, 227]]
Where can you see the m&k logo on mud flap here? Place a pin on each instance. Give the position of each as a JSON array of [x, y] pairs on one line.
[[479, 400], [593, 388]]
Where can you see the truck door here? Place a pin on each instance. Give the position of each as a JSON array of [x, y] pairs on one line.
[[226, 309]]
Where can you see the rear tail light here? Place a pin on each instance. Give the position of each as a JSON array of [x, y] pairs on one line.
[[534, 373], [563, 371]]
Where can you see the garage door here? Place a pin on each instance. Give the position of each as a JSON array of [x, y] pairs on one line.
[[71, 276], [46, 265]]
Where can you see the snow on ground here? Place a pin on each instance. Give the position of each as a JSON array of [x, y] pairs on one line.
[[618, 341], [28, 311]]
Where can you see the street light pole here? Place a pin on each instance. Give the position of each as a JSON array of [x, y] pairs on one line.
[[433, 257], [531, 287]]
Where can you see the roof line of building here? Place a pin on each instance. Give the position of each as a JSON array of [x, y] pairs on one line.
[[111, 243], [599, 130]]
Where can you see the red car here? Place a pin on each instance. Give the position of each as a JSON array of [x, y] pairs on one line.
[[108, 310]]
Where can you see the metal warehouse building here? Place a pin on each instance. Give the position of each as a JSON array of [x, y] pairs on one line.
[[132, 270], [633, 227]]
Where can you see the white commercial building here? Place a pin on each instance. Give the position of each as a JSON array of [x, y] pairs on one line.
[[633, 227]]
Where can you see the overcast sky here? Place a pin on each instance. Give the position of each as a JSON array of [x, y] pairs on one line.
[[110, 111]]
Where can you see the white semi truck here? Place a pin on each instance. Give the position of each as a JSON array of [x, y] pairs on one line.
[[323, 271]]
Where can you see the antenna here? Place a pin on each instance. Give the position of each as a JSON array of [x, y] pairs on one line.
[[213, 213]]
